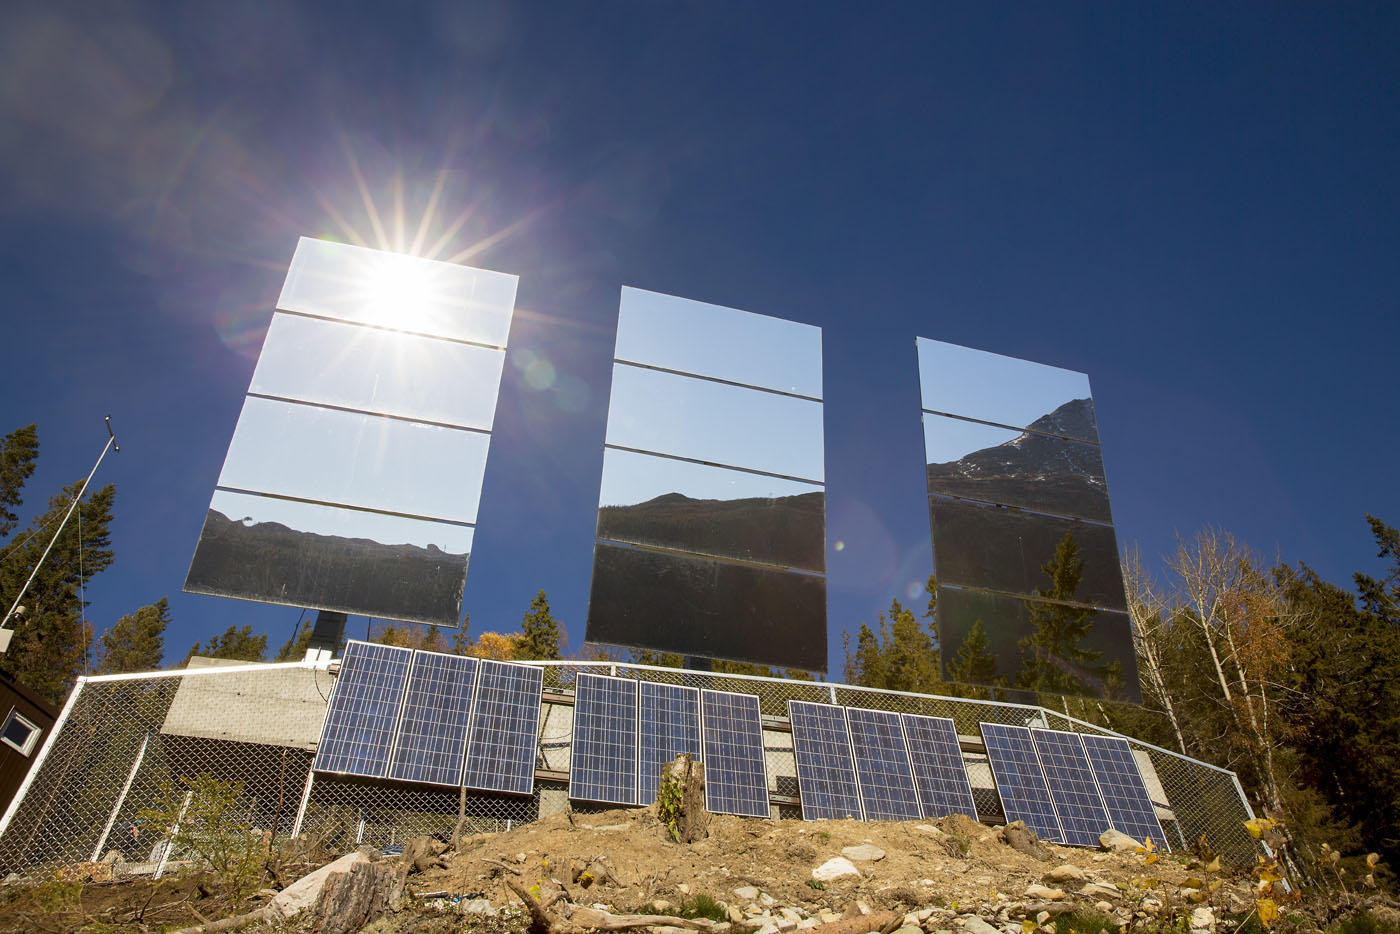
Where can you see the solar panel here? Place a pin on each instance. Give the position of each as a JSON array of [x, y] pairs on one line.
[[732, 750], [432, 734], [826, 771], [882, 765], [669, 725], [363, 710], [1020, 780], [1072, 787], [1124, 792], [505, 723], [603, 761], [939, 772]]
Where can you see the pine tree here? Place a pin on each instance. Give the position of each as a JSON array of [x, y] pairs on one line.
[[539, 632], [974, 662], [235, 643], [294, 649], [1054, 660], [136, 642], [51, 641], [19, 451]]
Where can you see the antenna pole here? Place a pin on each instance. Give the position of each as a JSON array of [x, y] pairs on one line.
[[110, 445]]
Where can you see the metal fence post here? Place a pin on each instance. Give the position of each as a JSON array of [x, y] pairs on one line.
[[121, 798]]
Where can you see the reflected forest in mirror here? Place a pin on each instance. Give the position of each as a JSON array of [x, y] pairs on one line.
[[271, 562]]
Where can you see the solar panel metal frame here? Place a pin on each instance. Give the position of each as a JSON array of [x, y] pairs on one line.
[[720, 763], [1122, 788], [664, 731], [1020, 779], [940, 773], [490, 732], [346, 709], [824, 776], [886, 791], [436, 697], [1073, 789], [591, 768]]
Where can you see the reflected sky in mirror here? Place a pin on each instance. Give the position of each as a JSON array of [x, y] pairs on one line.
[[1022, 644], [654, 500], [376, 370], [724, 343], [324, 557], [353, 459], [714, 422], [1015, 468], [406, 293], [991, 387]]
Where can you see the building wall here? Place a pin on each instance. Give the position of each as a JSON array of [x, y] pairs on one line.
[[276, 707], [17, 696]]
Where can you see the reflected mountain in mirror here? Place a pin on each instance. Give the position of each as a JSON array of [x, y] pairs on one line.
[[393, 290], [691, 605], [1032, 645], [320, 557], [992, 388], [651, 500], [1016, 468], [724, 343], [998, 548]]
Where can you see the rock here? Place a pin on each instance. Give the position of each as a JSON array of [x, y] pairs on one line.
[[1105, 907], [929, 828], [1042, 917], [1151, 904], [735, 915], [975, 925], [909, 929], [480, 906], [1202, 918], [660, 906], [835, 868], [1040, 891], [748, 893], [826, 916], [790, 914], [766, 900], [785, 925], [768, 928], [1065, 872], [683, 889], [806, 923], [866, 852], [1118, 842], [113, 857], [924, 915], [1021, 838], [1100, 890]]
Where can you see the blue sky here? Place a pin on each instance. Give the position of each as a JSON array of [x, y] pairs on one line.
[[1195, 205]]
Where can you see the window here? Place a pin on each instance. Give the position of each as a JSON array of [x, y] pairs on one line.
[[20, 733]]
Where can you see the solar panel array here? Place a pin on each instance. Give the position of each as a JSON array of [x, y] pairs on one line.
[[364, 710], [1124, 792], [736, 781], [668, 726], [603, 763], [937, 762], [826, 770], [1072, 787], [429, 717], [882, 765], [1020, 780]]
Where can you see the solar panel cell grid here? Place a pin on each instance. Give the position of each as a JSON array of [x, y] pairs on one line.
[[1124, 792], [1020, 780], [505, 724], [603, 762], [432, 736], [736, 781], [364, 710], [937, 762], [826, 773], [882, 765], [669, 725], [1072, 787]]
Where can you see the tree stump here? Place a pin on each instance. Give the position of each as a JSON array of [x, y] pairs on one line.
[[350, 900], [680, 800]]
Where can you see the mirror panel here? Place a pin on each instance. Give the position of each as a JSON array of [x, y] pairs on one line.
[[1003, 549], [1018, 644], [699, 606], [1017, 393], [725, 343], [1015, 468], [715, 423], [651, 500], [405, 293], [389, 372], [326, 558], [352, 459]]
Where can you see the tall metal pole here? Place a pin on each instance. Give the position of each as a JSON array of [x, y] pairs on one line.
[[110, 445]]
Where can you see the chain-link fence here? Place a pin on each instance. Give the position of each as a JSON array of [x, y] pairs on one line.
[[127, 745]]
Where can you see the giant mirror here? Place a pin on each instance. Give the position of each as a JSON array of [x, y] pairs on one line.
[[1030, 590], [711, 535], [354, 473]]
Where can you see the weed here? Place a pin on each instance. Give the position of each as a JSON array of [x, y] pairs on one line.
[[668, 805], [57, 895], [701, 905], [1085, 921], [821, 887], [1363, 922], [823, 836], [206, 817]]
